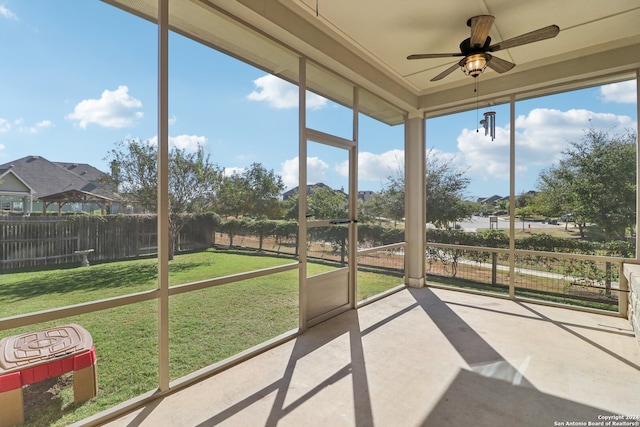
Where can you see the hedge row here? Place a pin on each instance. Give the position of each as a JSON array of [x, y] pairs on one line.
[[535, 242], [371, 235]]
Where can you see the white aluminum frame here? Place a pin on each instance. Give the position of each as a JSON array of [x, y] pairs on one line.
[[325, 281]]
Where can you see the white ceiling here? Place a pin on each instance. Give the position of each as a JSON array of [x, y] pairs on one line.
[[366, 42], [388, 34]]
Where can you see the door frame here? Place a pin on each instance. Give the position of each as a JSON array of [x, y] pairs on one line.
[[306, 135]]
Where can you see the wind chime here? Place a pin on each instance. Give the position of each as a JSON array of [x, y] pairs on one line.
[[489, 121], [489, 124]]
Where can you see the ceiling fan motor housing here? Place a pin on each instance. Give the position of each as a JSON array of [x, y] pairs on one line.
[[475, 59], [467, 49]]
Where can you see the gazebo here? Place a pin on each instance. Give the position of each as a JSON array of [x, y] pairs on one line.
[[76, 196]]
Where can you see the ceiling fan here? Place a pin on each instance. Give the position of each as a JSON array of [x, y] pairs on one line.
[[475, 49]]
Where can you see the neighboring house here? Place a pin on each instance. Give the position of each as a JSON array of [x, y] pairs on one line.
[[291, 193], [365, 195], [493, 200], [34, 183], [15, 194]]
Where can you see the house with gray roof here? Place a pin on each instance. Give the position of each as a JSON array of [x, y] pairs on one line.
[[35, 183], [492, 200], [291, 193]]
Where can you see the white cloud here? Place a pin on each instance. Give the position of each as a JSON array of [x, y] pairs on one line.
[[44, 124], [541, 136], [289, 173], [233, 171], [281, 94], [316, 171], [622, 93], [187, 142], [483, 157], [6, 13], [5, 125], [375, 167], [183, 142], [114, 109]]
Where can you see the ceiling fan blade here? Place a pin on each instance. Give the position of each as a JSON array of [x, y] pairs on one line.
[[433, 55], [446, 72], [534, 36], [480, 27], [498, 64]]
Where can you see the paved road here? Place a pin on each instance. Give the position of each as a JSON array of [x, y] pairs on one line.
[[503, 222]]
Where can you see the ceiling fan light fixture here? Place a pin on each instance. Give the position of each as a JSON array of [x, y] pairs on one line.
[[475, 64]]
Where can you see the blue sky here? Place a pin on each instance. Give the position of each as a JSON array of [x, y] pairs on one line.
[[79, 76]]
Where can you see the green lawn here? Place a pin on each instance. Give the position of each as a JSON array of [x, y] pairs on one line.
[[206, 326]]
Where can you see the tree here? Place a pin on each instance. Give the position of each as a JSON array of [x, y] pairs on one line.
[[525, 206], [254, 192], [389, 202], [290, 207], [557, 197], [232, 196], [264, 188], [445, 187], [485, 209], [595, 182], [445, 192], [503, 205], [326, 203], [364, 214], [193, 181]]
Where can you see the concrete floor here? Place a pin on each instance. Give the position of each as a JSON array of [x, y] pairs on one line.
[[425, 357]]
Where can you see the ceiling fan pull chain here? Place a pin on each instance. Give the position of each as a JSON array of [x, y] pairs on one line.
[[475, 89]]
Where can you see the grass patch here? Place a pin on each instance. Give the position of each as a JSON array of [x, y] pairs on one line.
[[212, 324], [206, 326], [375, 281], [559, 231], [26, 292]]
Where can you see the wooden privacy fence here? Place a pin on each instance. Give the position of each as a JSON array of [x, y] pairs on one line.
[[35, 241]]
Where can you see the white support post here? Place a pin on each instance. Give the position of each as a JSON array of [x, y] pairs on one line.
[[163, 194], [512, 198], [415, 208], [353, 204], [302, 194]]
